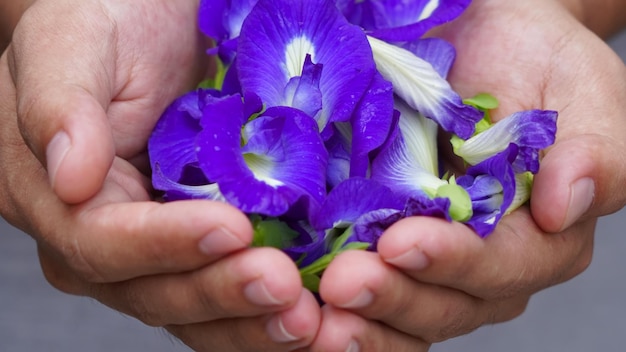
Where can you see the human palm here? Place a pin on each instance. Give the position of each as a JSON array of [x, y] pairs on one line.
[[447, 281], [90, 80], [106, 82]]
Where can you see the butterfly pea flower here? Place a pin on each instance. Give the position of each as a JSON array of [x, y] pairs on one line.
[[491, 185], [408, 164], [172, 148], [221, 20], [421, 86], [272, 165], [275, 41], [398, 20], [353, 143], [531, 131], [362, 206], [296, 238], [365, 208]]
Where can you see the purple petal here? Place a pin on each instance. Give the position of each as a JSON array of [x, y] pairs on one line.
[[491, 186], [422, 205], [172, 143], [352, 198], [282, 164], [407, 21], [339, 156], [408, 162], [183, 190], [370, 226], [372, 124], [274, 42], [531, 131], [311, 244], [439, 53], [303, 92], [221, 20], [422, 88]]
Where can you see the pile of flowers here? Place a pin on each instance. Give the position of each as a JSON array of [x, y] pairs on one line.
[[321, 124]]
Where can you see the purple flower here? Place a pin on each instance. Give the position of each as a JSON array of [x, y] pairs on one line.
[[408, 162], [398, 20], [172, 149], [221, 20], [531, 131], [491, 185], [421, 86], [275, 41], [275, 166], [365, 203], [353, 144]]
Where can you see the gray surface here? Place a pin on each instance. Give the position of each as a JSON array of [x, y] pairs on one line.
[[585, 314]]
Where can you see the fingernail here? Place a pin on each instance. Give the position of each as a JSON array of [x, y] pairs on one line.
[[257, 293], [581, 197], [413, 259], [56, 152], [353, 346], [277, 332], [220, 241], [363, 299]]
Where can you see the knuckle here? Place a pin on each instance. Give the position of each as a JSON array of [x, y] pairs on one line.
[[136, 303], [456, 320], [506, 310], [79, 263], [56, 275]]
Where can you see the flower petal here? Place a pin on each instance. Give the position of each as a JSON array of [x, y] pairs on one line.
[[303, 92], [221, 20], [172, 143], [491, 185], [282, 164], [347, 202], [279, 34], [406, 21], [438, 52], [422, 205], [408, 162], [309, 246], [422, 88], [370, 226], [530, 130], [372, 124], [179, 191]]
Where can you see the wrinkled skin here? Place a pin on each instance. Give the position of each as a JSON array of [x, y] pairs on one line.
[[94, 70]]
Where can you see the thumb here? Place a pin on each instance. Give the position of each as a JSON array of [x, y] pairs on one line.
[[580, 178], [62, 72]]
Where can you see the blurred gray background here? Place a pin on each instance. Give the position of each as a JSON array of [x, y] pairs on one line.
[[585, 314]]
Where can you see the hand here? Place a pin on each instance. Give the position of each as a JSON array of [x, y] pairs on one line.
[[434, 280], [91, 78]]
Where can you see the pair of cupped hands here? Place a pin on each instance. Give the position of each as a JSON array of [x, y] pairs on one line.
[[83, 83]]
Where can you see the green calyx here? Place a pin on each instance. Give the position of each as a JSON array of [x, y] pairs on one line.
[[272, 233], [460, 201]]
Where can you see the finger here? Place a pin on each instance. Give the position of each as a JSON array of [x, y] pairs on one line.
[[518, 258], [288, 330], [243, 284], [579, 179], [62, 96], [360, 282], [117, 235], [344, 331], [121, 241]]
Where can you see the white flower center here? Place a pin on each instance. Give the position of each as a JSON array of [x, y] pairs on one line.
[[295, 54]]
